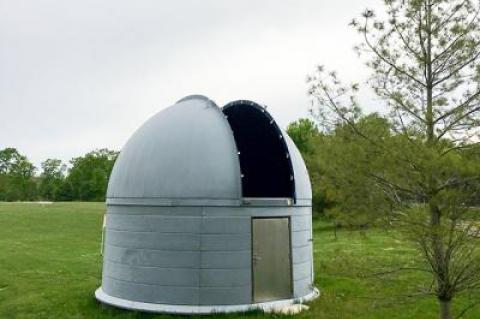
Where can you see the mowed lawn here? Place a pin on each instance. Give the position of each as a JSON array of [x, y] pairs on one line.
[[50, 266]]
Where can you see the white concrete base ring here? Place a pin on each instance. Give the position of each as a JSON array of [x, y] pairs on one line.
[[185, 309]]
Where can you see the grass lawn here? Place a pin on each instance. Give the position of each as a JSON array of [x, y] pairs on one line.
[[50, 266]]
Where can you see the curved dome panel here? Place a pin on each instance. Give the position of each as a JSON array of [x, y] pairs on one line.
[[186, 151], [303, 188]]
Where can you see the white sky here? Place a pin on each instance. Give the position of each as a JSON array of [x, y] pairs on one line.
[[80, 75]]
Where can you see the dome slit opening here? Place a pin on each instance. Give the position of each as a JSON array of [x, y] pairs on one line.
[[267, 171]]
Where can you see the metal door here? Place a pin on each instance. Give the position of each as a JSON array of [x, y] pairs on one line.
[[272, 272]]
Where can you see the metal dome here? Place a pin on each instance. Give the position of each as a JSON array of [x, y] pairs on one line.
[[170, 158]]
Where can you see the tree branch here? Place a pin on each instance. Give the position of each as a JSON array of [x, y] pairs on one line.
[[381, 57]]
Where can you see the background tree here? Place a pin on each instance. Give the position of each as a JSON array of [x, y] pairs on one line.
[[52, 179], [88, 177], [16, 176], [303, 132], [309, 141], [339, 162], [424, 61], [348, 161]]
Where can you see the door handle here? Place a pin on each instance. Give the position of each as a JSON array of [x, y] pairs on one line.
[[256, 258]]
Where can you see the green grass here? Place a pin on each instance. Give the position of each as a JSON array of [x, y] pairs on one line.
[[50, 266]]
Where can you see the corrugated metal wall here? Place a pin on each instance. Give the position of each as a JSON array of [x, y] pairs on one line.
[[194, 255]]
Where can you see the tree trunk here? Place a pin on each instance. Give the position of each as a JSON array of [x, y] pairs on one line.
[[441, 265], [439, 260], [445, 309]]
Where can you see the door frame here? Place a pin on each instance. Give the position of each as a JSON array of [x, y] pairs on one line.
[[290, 251]]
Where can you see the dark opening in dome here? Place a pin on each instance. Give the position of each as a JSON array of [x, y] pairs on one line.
[[264, 159]]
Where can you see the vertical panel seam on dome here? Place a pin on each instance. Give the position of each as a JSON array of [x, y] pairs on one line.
[[218, 110]]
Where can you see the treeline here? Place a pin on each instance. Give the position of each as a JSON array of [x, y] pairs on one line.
[[338, 159], [85, 180], [341, 164]]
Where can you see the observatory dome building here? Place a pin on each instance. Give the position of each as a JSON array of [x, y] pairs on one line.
[[208, 210]]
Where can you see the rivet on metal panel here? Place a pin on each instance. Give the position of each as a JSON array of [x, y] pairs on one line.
[[271, 121], [238, 152], [280, 136]]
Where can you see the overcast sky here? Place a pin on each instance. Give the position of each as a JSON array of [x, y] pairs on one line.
[[80, 75]]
